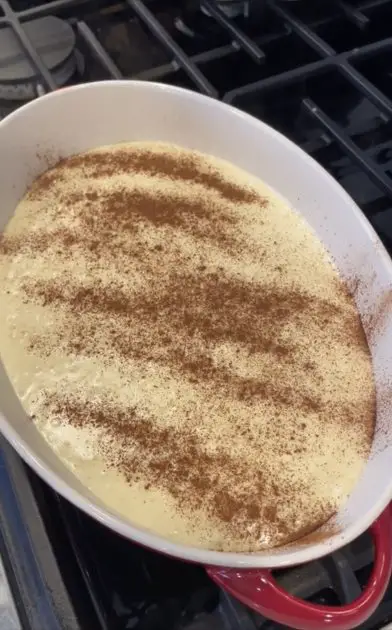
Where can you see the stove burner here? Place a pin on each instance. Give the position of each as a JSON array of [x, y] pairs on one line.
[[55, 41]]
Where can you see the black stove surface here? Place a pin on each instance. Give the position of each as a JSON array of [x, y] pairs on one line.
[[319, 72]]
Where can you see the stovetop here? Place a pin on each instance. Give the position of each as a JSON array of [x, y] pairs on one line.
[[319, 72]]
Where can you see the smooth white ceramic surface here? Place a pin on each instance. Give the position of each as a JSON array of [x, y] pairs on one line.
[[86, 116]]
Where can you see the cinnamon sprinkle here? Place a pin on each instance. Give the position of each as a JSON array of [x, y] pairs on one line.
[[201, 314], [177, 461], [233, 342], [187, 168]]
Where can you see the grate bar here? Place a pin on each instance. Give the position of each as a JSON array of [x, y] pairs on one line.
[[58, 5], [156, 74], [284, 78], [98, 50], [159, 72], [365, 51], [354, 15], [237, 34], [46, 9], [357, 155], [163, 36], [355, 78], [29, 49], [374, 4], [367, 88], [309, 36]]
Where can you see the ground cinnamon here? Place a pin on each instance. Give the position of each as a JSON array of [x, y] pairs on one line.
[[183, 310]]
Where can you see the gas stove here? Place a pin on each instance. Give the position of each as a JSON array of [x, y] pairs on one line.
[[319, 72]]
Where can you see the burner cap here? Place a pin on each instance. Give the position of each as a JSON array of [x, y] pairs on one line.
[[54, 40]]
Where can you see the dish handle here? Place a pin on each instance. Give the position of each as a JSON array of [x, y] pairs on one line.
[[258, 589]]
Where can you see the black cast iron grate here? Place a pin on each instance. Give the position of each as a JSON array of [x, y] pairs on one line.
[[321, 73]]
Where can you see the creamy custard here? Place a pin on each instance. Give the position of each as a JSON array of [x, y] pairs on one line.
[[183, 342]]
